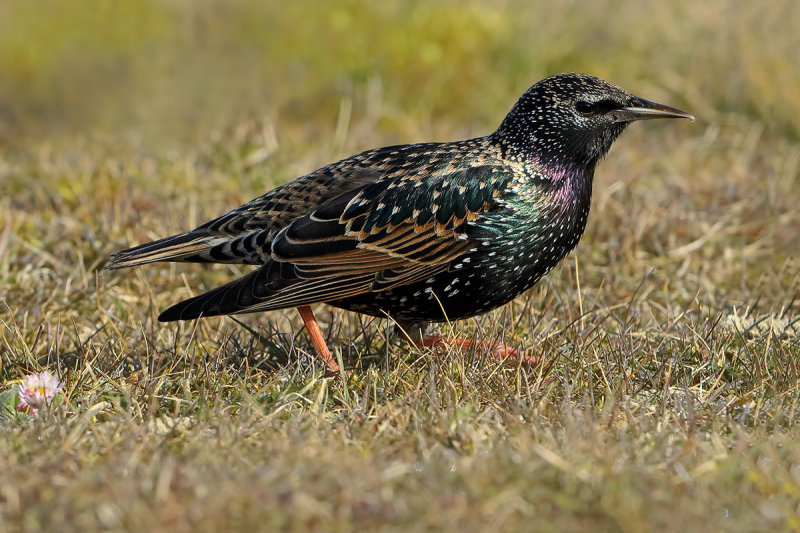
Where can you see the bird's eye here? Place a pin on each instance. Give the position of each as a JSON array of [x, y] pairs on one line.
[[584, 108], [595, 108]]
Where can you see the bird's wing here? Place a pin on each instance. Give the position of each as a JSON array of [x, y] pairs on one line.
[[243, 235], [395, 231]]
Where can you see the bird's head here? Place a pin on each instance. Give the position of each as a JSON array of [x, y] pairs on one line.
[[572, 119]]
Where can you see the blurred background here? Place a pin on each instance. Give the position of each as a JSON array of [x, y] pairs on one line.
[[172, 71]]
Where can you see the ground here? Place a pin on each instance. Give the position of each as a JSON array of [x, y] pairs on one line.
[[667, 395]]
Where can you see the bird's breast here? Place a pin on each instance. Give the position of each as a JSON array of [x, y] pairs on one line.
[[530, 241]]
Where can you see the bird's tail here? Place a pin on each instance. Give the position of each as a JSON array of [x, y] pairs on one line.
[[183, 247], [231, 298]]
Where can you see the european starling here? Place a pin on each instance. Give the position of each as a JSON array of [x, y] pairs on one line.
[[420, 232]]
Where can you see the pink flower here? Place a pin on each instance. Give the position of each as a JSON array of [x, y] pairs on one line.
[[37, 391]]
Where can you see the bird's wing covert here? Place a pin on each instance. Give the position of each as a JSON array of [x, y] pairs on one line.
[[395, 231]]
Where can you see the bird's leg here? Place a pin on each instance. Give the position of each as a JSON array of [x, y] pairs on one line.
[[317, 339], [496, 349], [415, 332]]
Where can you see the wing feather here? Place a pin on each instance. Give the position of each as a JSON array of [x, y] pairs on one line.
[[398, 229]]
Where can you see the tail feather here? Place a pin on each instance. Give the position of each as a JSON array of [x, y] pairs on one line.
[[182, 247], [273, 286], [231, 298]]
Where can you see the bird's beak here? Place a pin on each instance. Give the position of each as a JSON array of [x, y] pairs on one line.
[[645, 110]]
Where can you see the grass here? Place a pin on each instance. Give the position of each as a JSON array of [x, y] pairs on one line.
[[667, 398]]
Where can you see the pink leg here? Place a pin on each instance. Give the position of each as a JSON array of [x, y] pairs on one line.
[[317, 339], [496, 349]]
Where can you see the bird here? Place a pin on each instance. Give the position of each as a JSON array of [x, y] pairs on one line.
[[419, 233]]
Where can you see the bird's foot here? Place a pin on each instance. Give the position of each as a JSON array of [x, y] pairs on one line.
[[318, 340], [496, 349]]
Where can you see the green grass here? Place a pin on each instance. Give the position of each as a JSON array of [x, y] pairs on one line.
[[667, 398]]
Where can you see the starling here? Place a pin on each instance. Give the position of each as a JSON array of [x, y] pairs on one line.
[[420, 232]]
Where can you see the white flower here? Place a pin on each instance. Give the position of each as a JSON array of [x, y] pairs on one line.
[[37, 391]]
